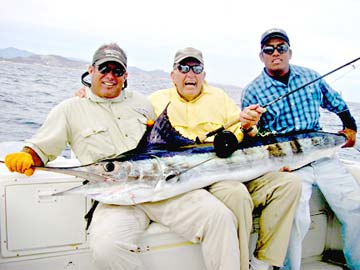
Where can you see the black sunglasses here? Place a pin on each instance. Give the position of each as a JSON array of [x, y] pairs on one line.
[[117, 70], [197, 69], [269, 49]]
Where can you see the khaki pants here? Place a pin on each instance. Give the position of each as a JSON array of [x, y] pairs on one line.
[[198, 216], [275, 195]]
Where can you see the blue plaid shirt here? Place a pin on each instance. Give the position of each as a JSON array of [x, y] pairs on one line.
[[298, 111]]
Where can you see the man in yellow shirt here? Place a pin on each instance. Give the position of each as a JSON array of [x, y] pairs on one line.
[[197, 108]]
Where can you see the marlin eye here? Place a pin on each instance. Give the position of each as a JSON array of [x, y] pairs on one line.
[[109, 166]]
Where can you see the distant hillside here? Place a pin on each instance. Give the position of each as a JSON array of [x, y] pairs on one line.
[[20, 56], [49, 60], [141, 80], [11, 52], [26, 57]]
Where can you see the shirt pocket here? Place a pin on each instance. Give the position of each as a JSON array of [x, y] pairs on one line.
[[133, 126], [96, 144]]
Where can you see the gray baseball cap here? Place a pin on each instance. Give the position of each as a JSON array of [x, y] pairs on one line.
[[107, 53], [188, 52]]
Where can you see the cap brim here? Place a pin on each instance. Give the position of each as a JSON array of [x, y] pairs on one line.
[[275, 36], [188, 56], [110, 59]]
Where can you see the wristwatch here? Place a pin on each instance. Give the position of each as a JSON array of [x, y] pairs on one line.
[[251, 131], [246, 131]]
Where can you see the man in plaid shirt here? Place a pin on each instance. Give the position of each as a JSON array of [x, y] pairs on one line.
[[300, 111]]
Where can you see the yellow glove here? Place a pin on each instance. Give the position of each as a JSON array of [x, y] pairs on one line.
[[20, 162]]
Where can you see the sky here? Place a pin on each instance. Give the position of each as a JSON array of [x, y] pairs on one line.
[[324, 34]]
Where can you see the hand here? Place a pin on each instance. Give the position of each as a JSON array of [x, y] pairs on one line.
[[20, 162], [350, 136], [250, 116], [81, 93]]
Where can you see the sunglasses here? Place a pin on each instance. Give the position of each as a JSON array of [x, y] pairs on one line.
[[197, 69], [105, 68], [269, 49]]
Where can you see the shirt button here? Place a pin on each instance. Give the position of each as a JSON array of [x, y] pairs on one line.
[[126, 135]]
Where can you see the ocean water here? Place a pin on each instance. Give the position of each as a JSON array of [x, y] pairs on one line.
[[28, 92]]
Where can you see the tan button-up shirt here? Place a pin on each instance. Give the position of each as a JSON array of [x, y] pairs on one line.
[[96, 128]]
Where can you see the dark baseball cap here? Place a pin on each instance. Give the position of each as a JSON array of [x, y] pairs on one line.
[[110, 53], [274, 33]]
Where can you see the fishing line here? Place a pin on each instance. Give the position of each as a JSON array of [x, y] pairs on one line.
[[354, 67], [178, 173], [123, 155], [62, 167]]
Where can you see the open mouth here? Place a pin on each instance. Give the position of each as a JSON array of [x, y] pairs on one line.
[[109, 83], [190, 83]]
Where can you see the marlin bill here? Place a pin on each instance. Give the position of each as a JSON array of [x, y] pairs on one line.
[[159, 173]]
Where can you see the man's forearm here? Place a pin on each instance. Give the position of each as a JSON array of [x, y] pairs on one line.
[[347, 120]]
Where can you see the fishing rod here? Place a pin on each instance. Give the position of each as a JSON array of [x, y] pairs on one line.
[[201, 139], [311, 82]]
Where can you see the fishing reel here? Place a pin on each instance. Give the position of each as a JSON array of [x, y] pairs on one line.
[[225, 143]]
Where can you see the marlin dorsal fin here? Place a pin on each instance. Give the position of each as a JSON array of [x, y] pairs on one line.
[[163, 134]]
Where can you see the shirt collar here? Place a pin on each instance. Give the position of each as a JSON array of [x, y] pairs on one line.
[[204, 91], [90, 95], [269, 82]]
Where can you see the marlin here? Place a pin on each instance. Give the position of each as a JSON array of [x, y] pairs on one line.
[[166, 164]]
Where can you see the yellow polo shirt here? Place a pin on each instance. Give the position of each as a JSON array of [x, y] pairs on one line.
[[212, 109]]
